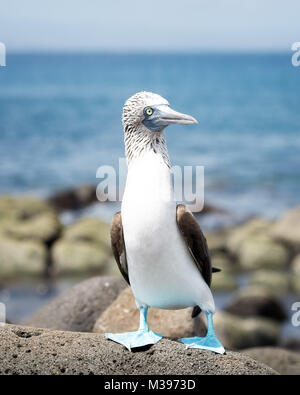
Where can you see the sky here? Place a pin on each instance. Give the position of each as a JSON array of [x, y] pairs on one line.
[[149, 26]]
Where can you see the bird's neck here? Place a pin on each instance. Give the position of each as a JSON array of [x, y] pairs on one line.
[[138, 143]]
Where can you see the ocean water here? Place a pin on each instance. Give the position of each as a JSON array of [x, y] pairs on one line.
[[60, 119]]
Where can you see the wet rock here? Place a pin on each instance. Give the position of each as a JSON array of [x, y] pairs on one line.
[[84, 246], [45, 227], [255, 301], [78, 308], [239, 333], [296, 265], [22, 208], [287, 228], [71, 257], [28, 219], [38, 351], [89, 230], [224, 262], [123, 316], [223, 282], [296, 284], [277, 282], [253, 228], [262, 252], [283, 361], [19, 258], [74, 198], [216, 241]]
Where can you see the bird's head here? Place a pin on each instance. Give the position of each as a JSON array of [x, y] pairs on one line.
[[149, 112]]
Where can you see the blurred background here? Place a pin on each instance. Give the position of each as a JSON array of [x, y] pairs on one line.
[[70, 67]]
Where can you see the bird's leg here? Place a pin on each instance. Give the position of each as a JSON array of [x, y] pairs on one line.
[[142, 337], [143, 319], [209, 342]]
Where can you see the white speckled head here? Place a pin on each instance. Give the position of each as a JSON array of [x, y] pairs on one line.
[[133, 110], [145, 116]]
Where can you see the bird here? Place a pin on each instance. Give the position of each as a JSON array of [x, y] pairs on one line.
[[158, 244]]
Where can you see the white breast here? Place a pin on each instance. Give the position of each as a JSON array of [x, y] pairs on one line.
[[161, 271]]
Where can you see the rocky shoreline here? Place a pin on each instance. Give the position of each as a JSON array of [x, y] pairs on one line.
[[73, 342], [35, 243], [29, 351]]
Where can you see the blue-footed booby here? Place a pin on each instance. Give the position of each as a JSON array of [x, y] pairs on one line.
[[158, 245]]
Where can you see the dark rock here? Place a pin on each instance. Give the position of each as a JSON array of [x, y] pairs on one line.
[[28, 351], [251, 302], [292, 344], [74, 198], [283, 361], [79, 307]]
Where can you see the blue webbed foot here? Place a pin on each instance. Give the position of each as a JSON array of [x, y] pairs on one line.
[[205, 343], [209, 342], [142, 337], [136, 339]]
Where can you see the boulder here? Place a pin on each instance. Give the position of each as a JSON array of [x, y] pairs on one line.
[[28, 351], [224, 262], [291, 343], [241, 233], [296, 275], [287, 228], [28, 219], [296, 265], [84, 246], [239, 333], [19, 258], [261, 252], [216, 241], [78, 308], [283, 361], [45, 227], [70, 257], [256, 301], [74, 198], [89, 230], [123, 316], [223, 282], [275, 281], [22, 208], [296, 285]]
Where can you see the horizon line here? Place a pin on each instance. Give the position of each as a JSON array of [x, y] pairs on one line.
[[139, 52]]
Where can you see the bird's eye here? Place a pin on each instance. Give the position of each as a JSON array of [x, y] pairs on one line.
[[149, 111]]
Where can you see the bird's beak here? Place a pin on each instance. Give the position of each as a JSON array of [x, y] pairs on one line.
[[168, 116]]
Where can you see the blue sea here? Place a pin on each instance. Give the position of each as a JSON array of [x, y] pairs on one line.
[[60, 119]]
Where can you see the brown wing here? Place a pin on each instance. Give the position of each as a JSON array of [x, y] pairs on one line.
[[118, 244], [196, 244], [195, 241]]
